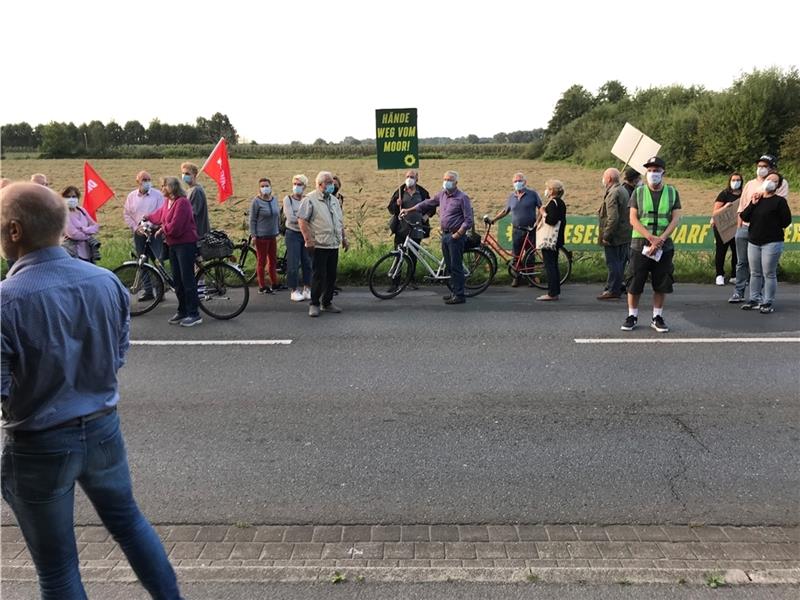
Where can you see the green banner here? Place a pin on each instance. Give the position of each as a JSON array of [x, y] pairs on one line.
[[396, 138], [692, 234]]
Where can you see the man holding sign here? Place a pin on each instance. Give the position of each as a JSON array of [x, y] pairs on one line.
[[655, 213]]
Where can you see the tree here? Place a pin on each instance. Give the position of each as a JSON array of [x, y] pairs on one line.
[[18, 135], [351, 141], [60, 140], [135, 133], [115, 134], [320, 142], [94, 138], [220, 126], [473, 139], [155, 133], [574, 102], [611, 91]]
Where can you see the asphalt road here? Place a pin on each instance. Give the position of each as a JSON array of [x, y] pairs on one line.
[[410, 411]]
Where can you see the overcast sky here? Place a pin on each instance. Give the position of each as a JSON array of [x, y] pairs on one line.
[[302, 69]]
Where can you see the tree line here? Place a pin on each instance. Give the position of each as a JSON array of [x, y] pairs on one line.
[[699, 130]]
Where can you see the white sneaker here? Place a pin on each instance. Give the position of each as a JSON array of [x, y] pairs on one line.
[[720, 280], [297, 296], [732, 280], [306, 294]]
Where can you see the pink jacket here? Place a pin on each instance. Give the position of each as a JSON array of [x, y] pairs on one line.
[[177, 221]]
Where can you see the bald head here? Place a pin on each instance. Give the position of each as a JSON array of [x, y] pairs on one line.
[[611, 176], [143, 176], [32, 217], [39, 178]]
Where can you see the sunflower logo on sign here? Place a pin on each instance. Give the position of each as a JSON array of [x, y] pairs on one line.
[[410, 159]]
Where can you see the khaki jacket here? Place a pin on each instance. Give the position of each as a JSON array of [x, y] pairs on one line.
[[614, 216], [324, 217]]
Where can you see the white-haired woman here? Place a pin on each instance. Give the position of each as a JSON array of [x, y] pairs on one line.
[[296, 253], [553, 212]]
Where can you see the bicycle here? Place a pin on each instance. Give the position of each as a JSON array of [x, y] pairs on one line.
[[222, 289], [392, 272], [529, 263]]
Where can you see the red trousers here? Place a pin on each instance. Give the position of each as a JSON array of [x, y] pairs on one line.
[[267, 252]]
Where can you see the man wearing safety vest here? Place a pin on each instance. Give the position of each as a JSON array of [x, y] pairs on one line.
[[655, 213]]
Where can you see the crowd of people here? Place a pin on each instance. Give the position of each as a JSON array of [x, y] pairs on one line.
[[636, 221]]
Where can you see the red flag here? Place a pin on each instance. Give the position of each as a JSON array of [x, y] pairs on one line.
[[219, 169], [95, 191]]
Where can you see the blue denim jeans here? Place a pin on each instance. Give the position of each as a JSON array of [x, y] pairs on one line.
[[182, 259], [764, 271], [453, 251], [39, 471], [296, 255], [742, 267], [616, 257]]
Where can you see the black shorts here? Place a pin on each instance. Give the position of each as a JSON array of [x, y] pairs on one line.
[[661, 272]]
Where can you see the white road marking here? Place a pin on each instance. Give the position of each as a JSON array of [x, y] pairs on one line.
[[210, 342], [737, 340]]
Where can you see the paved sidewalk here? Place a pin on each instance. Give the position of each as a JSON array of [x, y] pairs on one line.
[[558, 553]]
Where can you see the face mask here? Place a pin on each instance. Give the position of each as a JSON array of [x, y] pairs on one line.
[[448, 185], [410, 182], [145, 186], [519, 186], [546, 194], [735, 185], [72, 202], [187, 178], [266, 190], [298, 189], [769, 186], [329, 188], [762, 171], [654, 177]]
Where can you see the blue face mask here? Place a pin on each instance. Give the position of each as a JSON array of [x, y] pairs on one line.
[[448, 185], [298, 189], [519, 185], [145, 186], [187, 178], [329, 188]]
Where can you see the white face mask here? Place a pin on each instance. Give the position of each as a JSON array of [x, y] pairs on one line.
[[735, 185], [410, 182], [72, 202], [762, 171], [145, 187], [654, 177], [769, 186], [266, 190]]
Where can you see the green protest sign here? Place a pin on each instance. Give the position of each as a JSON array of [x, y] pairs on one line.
[[692, 234], [396, 138]]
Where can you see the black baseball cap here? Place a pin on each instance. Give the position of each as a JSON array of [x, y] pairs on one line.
[[631, 174], [769, 159], [655, 161]]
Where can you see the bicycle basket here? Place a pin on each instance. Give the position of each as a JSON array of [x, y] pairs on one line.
[[472, 239], [215, 244]]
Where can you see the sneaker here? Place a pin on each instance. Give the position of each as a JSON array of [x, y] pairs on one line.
[[145, 296], [630, 323], [306, 293], [720, 280], [447, 297], [455, 300], [331, 308], [192, 321], [735, 298], [749, 305], [515, 282], [313, 311], [297, 296], [732, 280], [658, 324], [176, 318], [765, 309], [265, 290]]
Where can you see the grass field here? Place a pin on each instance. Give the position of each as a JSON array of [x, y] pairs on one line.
[[367, 192]]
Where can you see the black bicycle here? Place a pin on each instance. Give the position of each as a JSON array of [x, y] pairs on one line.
[[221, 285]]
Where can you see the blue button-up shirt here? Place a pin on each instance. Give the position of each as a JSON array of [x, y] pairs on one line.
[[456, 209], [65, 326], [523, 208]]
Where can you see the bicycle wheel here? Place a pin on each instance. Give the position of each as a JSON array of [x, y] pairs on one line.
[[245, 256], [533, 267], [223, 293], [390, 275], [144, 284], [479, 271]]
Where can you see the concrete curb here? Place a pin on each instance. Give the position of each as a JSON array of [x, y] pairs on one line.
[[541, 575]]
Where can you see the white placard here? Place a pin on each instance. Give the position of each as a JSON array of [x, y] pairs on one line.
[[634, 148]]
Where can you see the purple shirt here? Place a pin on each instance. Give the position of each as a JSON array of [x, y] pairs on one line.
[[455, 210], [79, 227]]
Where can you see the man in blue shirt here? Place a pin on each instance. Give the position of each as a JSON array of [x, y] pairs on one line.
[[523, 204], [65, 332]]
